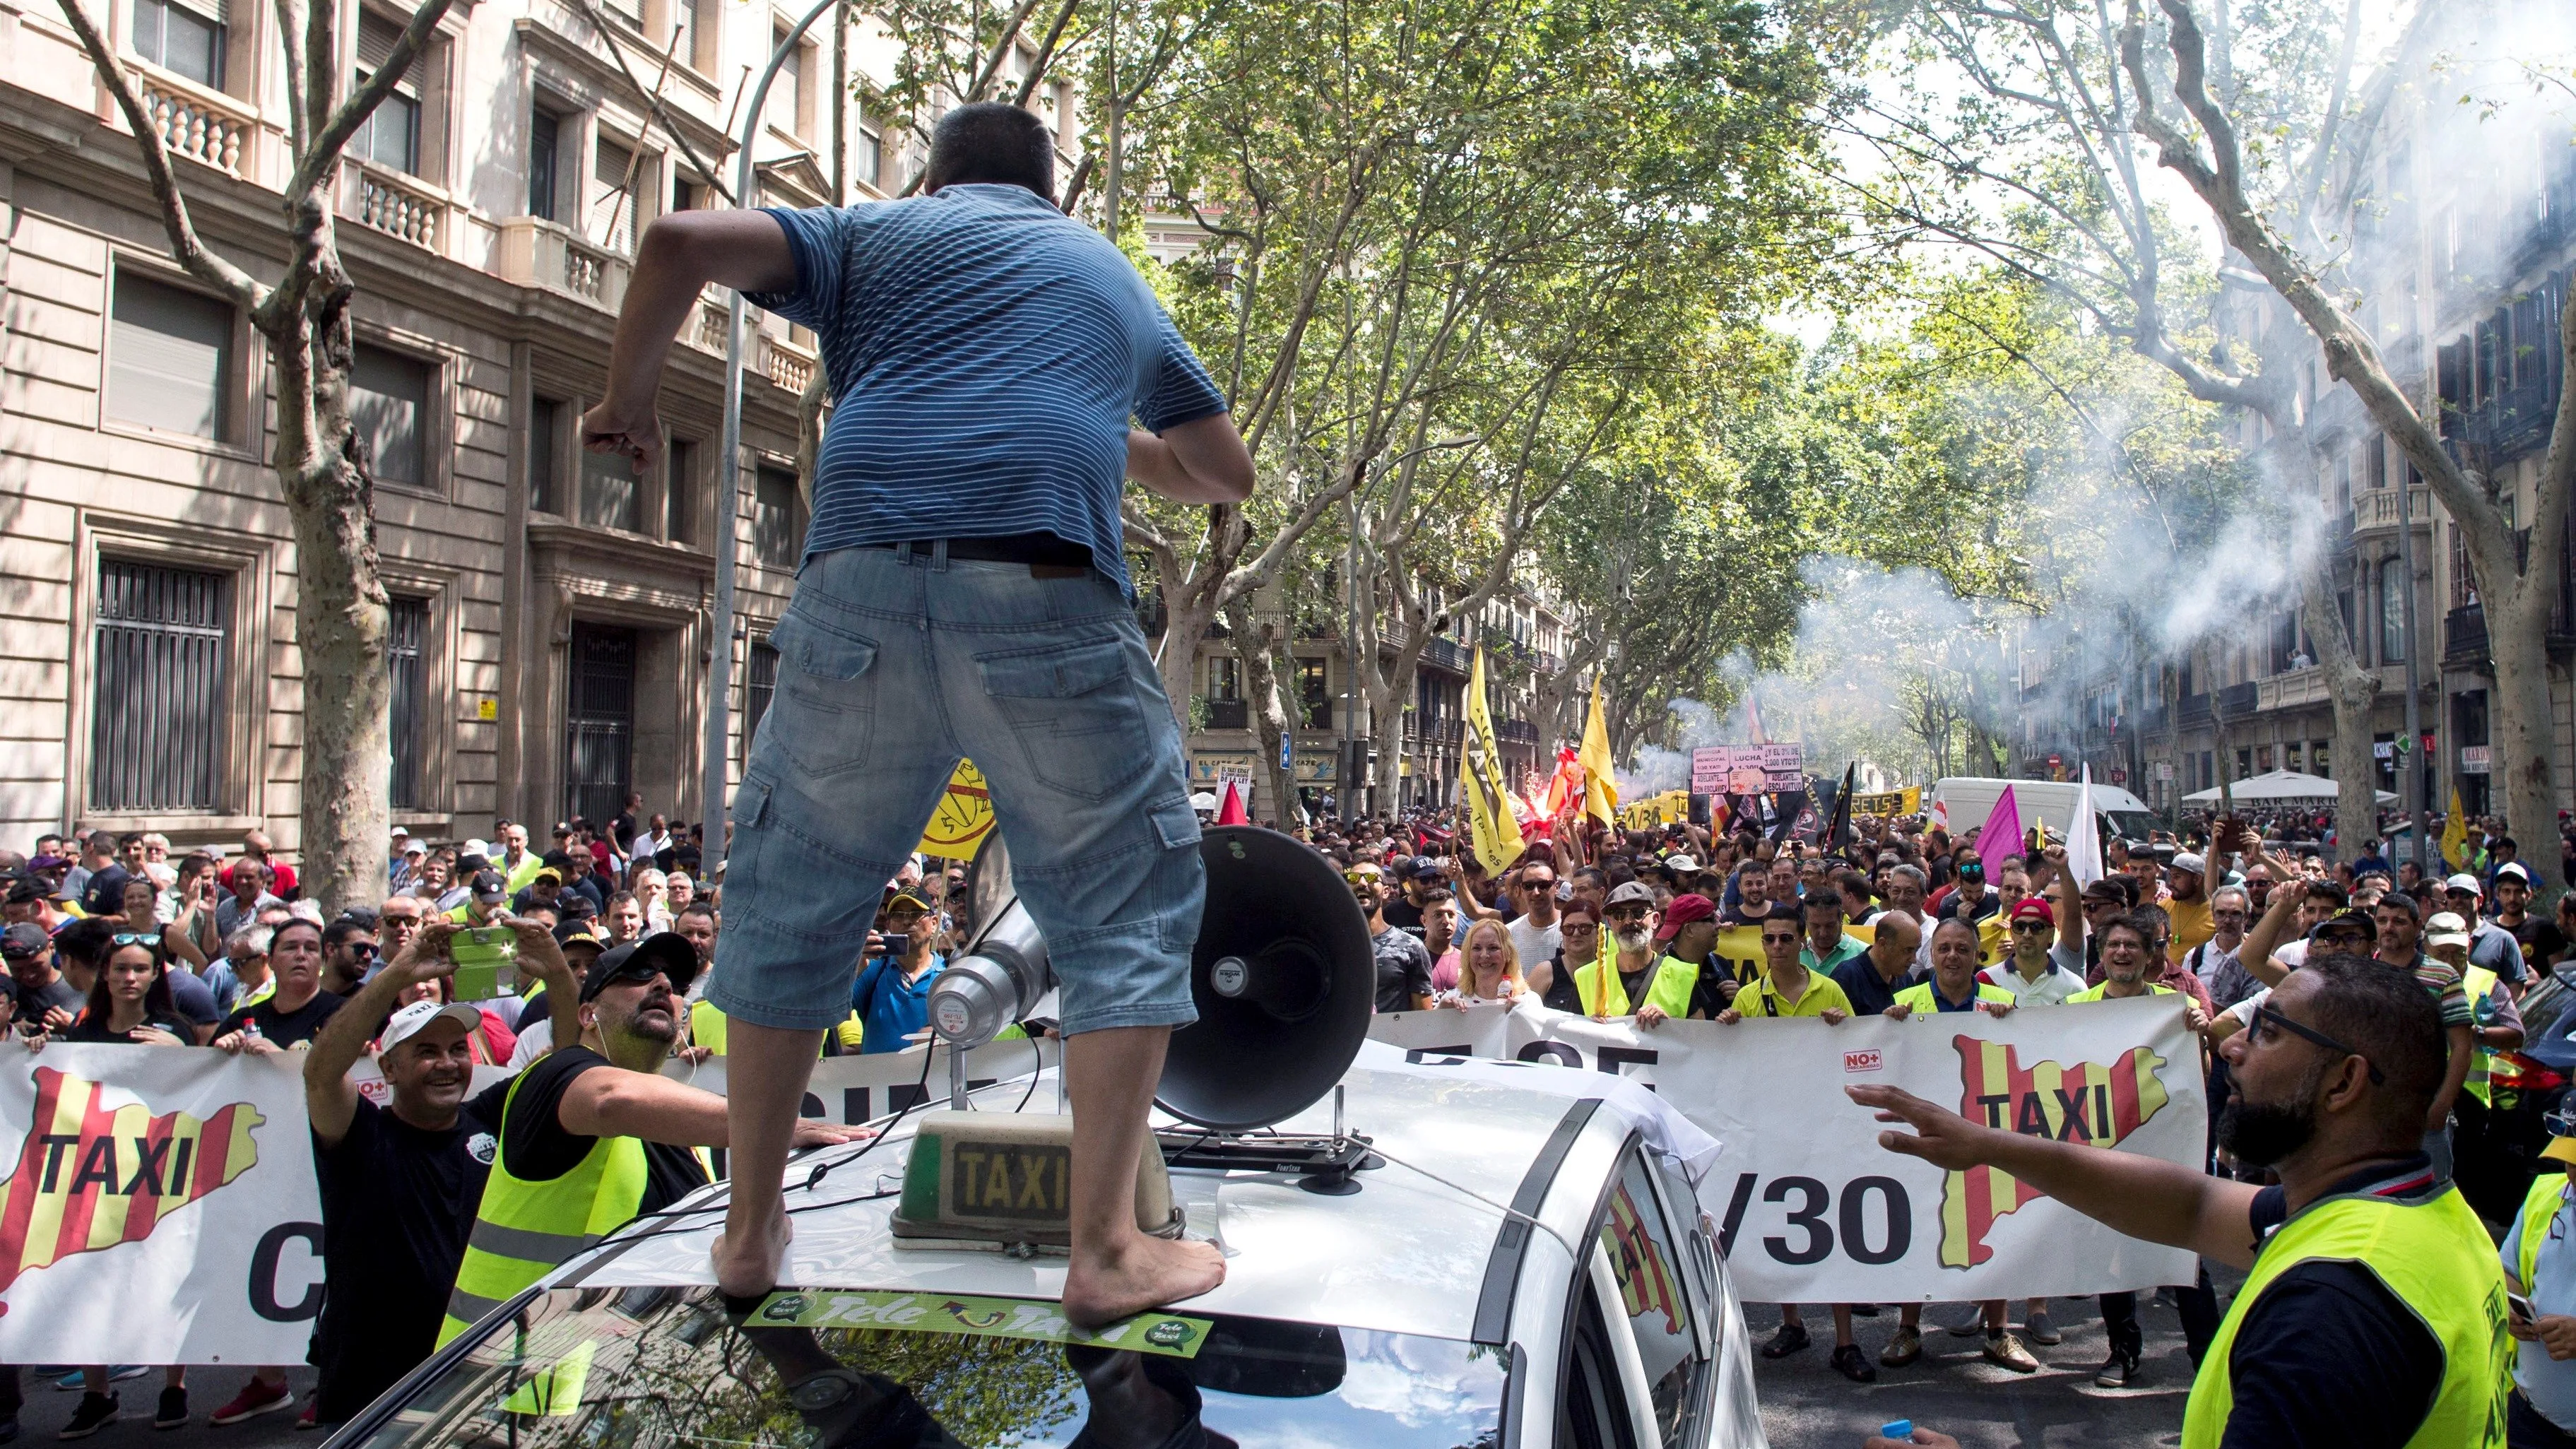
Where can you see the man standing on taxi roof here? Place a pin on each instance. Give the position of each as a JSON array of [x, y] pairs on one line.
[[962, 594]]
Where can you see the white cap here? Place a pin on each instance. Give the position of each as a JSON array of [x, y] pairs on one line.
[[2190, 862], [407, 1023], [1681, 863], [2464, 882], [475, 847], [2443, 928], [415, 847]]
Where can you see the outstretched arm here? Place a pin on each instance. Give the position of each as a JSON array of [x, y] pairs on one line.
[[2144, 1197], [329, 1099], [680, 254]]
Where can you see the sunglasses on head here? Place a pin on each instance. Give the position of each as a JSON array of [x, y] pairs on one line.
[[136, 938], [2265, 1017]]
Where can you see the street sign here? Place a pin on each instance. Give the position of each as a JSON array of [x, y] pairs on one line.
[[2119, 776], [2164, 771]]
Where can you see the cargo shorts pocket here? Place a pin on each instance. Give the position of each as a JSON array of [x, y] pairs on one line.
[[824, 715], [1075, 712]]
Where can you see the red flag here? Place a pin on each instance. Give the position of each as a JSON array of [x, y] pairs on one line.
[[1229, 811]]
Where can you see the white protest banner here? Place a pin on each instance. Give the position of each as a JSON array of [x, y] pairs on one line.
[[1811, 1209], [160, 1207], [1709, 764]]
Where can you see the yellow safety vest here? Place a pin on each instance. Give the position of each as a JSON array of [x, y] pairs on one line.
[[2539, 1205], [1919, 1000], [2478, 981], [2437, 1259], [1598, 987], [707, 1028], [525, 1229], [2095, 993]]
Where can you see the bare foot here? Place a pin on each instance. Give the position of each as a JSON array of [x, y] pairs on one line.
[[1141, 1273], [752, 1269]]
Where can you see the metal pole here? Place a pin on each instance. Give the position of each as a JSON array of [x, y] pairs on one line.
[[718, 777], [2414, 702], [1349, 771]]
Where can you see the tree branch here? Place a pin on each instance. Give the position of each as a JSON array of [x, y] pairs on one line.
[[191, 253], [324, 154]]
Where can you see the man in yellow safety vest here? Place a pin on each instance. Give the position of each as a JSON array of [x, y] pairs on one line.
[[593, 1135], [2373, 1310]]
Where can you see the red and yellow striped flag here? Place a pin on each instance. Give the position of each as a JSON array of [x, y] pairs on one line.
[[90, 1177], [2087, 1102]]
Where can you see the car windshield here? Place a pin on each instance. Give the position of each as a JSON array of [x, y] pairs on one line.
[[604, 1368]]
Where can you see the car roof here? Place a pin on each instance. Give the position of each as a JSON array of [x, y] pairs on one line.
[[1408, 1253]]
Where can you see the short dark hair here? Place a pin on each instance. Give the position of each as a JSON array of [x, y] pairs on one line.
[[1437, 894], [992, 142], [86, 940], [1822, 901], [2322, 889], [697, 908], [2381, 1012], [2403, 902], [2138, 921], [339, 931]]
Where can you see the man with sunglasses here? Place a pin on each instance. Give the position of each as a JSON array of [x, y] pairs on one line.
[[1403, 965], [2031, 973], [348, 955], [1787, 988], [593, 1135], [2373, 1312], [1534, 931]]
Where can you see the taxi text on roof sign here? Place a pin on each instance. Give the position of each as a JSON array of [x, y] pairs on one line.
[[1170, 1334]]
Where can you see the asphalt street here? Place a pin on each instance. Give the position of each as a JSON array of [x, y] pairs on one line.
[[1806, 1405], [47, 1410]]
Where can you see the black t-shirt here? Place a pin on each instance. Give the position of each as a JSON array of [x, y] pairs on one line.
[[104, 895], [540, 1149], [2541, 941], [622, 830], [2327, 1354], [90, 1029], [1562, 994], [285, 1028], [1403, 969], [1401, 912], [397, 1203], [1741, 914], [56, 992]]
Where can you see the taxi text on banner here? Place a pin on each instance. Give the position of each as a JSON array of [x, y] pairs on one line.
[[1810, 1209], [161, 1207]]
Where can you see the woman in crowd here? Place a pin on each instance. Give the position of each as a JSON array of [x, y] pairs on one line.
[[130, 1005], [491, 1043], [1489, 971], [189, 907], [1578, 945]]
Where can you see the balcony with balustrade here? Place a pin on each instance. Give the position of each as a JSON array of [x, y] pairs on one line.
[[401, 206], [1229, 714], [198, 122], [547, 254]]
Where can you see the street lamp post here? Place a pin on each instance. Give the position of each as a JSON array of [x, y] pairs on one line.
[[729, 510]]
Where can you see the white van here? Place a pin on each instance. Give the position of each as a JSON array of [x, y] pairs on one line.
[[1969, 799]]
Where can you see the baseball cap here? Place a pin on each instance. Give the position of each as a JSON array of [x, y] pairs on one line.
[[907, 898], [2340, 919], [569, 936], [489, 888], [1684, 910], [547, 873], [408, 1022], [2561, 1126], [49, 863], [2032, 908], [475, 847], [664, 953], [414, 847], [2193, 863], [2445, 928], [25, 939], [2514, 869], [1631, 893], [1681, 864], [1425, 868], [2464, 882]]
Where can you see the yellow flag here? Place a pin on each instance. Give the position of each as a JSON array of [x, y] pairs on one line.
[[1600, 790], [2455, 833], [1492, 831]]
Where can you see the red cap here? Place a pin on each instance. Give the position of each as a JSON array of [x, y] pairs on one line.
[[1683, 910], [2032, 908]]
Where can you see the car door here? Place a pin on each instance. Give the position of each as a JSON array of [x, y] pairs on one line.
[[1662, 1300]]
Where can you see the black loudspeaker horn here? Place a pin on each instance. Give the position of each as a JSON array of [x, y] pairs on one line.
[[1284, 981]]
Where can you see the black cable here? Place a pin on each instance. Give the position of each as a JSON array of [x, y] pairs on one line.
[[1037, 1064]]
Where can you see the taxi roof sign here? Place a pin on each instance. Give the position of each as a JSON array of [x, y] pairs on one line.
[[989, 1180]]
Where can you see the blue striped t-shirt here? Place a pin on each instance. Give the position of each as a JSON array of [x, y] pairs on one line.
[[986, 353]]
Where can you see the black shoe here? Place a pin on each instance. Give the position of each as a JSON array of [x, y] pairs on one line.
[[1791, 1338], [96, 1412], [173, 1412], [1852, 1364], [2119, 1371]]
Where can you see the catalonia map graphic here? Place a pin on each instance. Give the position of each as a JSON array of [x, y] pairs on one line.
[[2086, 1102], [89, 1177]]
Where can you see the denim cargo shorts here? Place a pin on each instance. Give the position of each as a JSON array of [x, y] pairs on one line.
[[891, 666]]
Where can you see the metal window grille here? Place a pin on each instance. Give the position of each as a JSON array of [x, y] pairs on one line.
[[774, 534], [407, 661], [163, 637], [599, 729], [759, 686]]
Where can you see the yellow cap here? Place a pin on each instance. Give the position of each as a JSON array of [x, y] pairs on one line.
[[2561, 1148]]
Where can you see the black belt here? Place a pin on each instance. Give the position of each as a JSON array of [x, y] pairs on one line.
[[1036, 549]]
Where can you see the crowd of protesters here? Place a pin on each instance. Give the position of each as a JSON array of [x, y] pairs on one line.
[[1624, 924], [121, 939]]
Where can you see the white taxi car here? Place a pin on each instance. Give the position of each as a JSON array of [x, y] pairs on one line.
[[1519, 1269]]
